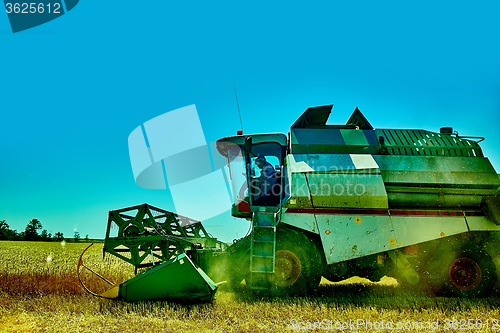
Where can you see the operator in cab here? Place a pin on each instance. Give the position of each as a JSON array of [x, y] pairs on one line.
[[266, 181]]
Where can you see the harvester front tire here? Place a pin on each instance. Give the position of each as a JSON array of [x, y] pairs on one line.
[[239, 264], [297, 265], [466, 272]]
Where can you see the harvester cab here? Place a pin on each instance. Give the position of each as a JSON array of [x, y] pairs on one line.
[[253, 183]]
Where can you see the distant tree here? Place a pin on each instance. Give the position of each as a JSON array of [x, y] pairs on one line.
[[4, 229], [6, 233], [77, 236], [45, 236], [87, 237], [59, 236], [15, 236], [31, 231]]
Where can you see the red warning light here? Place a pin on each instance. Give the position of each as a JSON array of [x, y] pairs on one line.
[[240, 132]]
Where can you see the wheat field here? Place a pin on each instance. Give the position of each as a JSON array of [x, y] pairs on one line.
[[40, 292]]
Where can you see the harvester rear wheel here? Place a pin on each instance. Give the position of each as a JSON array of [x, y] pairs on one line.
[[297, 264], [465, 272]]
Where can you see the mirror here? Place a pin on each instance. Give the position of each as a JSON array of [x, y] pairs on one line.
[[248, 144]]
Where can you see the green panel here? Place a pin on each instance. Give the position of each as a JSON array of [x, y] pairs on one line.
[[413, 169], [177, 279], [405, 199], [304, 137], [299, 192], [334, 180], [296, 189], [358, 190], [338, 163], [302, 221], [417, 229], [354, 137], [439, 171], [481, 223], [331, 140], [346, 237]]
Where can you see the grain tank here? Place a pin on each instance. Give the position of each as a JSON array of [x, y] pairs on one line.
[[351, 200]]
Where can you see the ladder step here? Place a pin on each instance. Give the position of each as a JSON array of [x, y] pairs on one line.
[[263, 243], [263, 249], [260, 263], [260, 234], [264, 219], [262, 259], [262, 269]]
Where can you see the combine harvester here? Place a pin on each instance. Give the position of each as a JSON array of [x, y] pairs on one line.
[[334, 201]]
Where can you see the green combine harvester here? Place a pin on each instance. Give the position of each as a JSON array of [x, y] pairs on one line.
[[335, 201]]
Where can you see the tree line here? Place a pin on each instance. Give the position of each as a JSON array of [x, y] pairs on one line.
[[30, 233]]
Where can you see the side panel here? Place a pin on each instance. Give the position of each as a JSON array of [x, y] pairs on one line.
[[333, 181], [417, 229], [354, 190], [447, 172], [302, 221], [347, 237], [297, 192], [481, 223], [331, 140]]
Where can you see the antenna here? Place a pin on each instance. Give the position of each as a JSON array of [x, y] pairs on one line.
[[239, 113]]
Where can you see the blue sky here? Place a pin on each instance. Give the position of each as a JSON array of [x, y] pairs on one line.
[[72, 90]]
